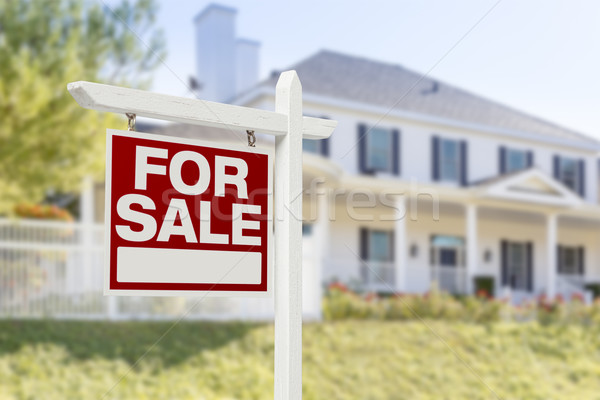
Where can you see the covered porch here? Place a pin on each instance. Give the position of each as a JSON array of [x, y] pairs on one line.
[[523, 234]]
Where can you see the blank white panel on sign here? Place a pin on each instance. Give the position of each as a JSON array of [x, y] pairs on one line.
[[151, 265]]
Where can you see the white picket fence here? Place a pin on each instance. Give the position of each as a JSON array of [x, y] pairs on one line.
[[55, 270]]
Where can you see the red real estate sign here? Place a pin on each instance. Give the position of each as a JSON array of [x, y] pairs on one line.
[[184, 217]]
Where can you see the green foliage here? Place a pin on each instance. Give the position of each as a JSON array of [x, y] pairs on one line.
[[376, 360], [484, 284], [46, 140], [341, 304], [594, 288]]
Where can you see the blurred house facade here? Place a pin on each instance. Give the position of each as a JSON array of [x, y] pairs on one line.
[[423, 182]]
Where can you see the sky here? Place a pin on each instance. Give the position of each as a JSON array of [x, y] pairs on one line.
[[539, 56]]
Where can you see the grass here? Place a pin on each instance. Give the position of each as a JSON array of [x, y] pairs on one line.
[[342, 360]]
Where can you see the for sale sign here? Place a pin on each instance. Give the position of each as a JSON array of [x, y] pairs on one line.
[[186, 217]]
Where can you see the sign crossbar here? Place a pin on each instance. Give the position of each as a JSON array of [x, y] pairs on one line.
[[120, 100]]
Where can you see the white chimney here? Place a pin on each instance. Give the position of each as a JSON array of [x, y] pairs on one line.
[[247, 58], [226, 65]]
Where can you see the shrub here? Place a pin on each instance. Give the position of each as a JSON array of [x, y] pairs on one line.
[[484, 284], [340, 303], [38, 211]]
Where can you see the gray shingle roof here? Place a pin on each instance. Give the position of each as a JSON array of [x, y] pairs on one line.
[[358, 79]]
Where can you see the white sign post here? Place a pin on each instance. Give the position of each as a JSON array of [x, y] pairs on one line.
[[289, 127]]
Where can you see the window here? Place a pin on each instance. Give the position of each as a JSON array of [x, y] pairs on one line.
[[517, 265], [310, 146], [380, 246], [568, 172], [316, 146], [570, 260], [515, 160], [376, 249], [449, 160], [307, 229], [379, 150]]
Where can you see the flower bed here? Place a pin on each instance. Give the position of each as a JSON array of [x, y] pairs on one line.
[[340, 303]]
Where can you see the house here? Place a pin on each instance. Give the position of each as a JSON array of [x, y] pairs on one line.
[[423, 182]]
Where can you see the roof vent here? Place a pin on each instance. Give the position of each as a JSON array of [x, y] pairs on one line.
[[435, 87]]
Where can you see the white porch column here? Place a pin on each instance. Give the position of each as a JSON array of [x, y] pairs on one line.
[[471, 250], [400, 244], [551, 238]]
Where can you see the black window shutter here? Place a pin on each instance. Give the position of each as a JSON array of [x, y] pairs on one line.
[[581, 260], [364, 254], [559, 258], [504, 267], [435, 158], [325, 147], [557, 167], [582, 178], [529, 159], [502, 160], [529, 253], [362, 148], [364, 243], [464, 163], [396, 151]]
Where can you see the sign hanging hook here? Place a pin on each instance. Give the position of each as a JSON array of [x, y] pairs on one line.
[[251, 138], [130, 121]]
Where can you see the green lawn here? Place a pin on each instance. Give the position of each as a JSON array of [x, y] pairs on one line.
[[342, 360]]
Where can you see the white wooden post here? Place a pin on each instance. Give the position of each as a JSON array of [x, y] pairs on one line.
[[288, 241]]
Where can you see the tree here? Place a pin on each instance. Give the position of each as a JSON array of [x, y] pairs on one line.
[[48, 142]]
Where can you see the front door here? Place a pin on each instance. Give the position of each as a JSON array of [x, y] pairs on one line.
[[447, 263], [517, 265]]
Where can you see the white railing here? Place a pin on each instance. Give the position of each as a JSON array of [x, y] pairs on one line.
[[55, 269], [378, 276], [369, 276], [568, 285], [450, 279]]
